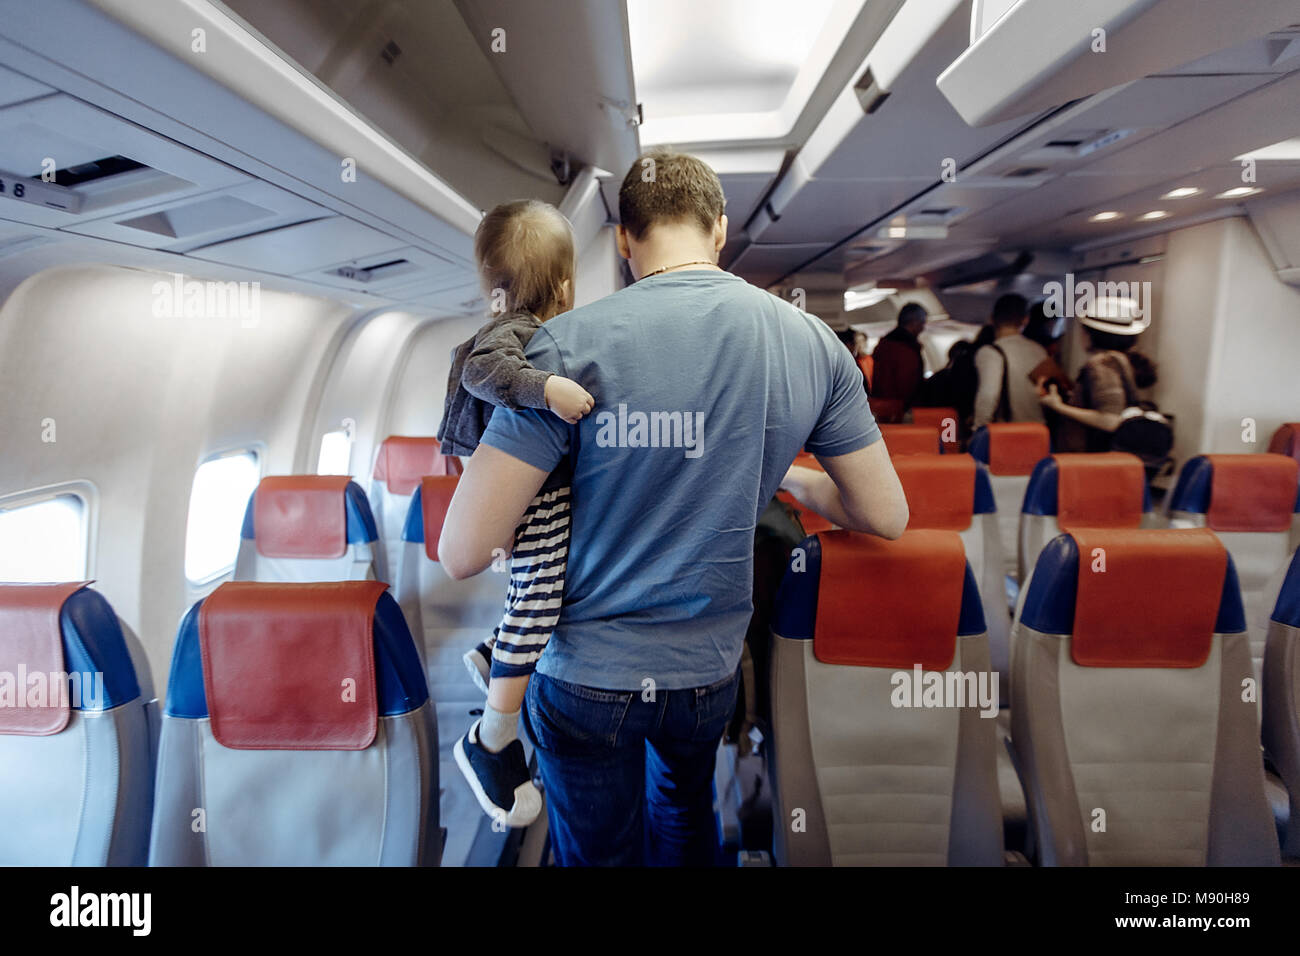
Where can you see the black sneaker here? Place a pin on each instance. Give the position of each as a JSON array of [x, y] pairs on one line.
[[479, 664], [501, 781]]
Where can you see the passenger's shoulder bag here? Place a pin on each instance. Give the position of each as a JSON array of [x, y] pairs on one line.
[[1143, 430]]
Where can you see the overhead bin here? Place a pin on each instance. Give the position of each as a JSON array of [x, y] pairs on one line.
[[306, 247], [101, 164], [1040, 54], [180, 225], [1277, 222], [15, 88]]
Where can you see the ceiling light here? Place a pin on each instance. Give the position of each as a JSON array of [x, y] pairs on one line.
[[861, 297], [1288, 149], [1237, 192], [1153, 214], [1105, 216], [1182, 192]]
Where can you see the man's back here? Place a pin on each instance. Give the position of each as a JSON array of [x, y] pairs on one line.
[[1022, 357], [899, 366], [706, 388]]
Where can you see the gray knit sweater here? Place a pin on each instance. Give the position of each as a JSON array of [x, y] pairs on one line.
[[486, 371]]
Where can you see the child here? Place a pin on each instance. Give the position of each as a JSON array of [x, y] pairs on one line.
[[524, 253]]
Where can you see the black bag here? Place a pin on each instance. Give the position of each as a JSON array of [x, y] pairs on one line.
[[1143, 430]]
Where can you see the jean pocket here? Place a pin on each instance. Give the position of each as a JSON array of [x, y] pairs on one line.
[[715, 705], [571, 719]]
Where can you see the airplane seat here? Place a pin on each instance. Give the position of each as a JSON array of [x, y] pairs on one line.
[[400, 463], [304, 528], [953, 493], [77, 747], [1252, 503], [1286, 441], [297, 731], [944, 419], [912, 439], [1281, 698], [1107, 490], [1130, 732], [864, 771], [1010, 450], [452, 617]]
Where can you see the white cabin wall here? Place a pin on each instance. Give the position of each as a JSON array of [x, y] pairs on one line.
[[1253, 368], [421, 386], [138, 402]]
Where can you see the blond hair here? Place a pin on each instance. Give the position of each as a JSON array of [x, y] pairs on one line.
[[524, 254]]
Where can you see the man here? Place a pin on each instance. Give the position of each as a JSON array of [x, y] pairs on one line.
[[1006, 393], [706, 388], [899, 367]]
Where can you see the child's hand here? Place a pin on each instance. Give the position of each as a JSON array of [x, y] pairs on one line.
[[568, 399]]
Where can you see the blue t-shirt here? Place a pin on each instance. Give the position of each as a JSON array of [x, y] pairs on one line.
[[706, 387]]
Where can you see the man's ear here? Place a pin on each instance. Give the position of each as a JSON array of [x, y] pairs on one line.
[[620, 235], [720, 233]]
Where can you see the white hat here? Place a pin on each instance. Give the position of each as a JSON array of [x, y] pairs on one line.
[[1119, 316]]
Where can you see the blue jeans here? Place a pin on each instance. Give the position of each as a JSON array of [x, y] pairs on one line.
[[629, 781]]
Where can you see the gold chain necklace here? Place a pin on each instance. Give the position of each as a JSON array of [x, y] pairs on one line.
[[693, 262]]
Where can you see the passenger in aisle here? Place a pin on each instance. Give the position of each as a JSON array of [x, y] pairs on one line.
[[524, 253], [639, 680]]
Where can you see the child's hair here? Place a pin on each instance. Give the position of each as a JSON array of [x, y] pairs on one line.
[[524, 252]]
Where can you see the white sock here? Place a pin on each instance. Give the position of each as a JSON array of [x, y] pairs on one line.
[[496, 730]]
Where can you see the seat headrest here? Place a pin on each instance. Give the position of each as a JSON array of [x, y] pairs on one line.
[[1011, 448], [940, 490], [911, 439], [1252, 492], [308, 516], [944, 419], [429, 511], [869, 602], [1135, 598], [1287, 609], [402, 461], [31, 647], [291, 666], [1105, 490], [1286, 441]]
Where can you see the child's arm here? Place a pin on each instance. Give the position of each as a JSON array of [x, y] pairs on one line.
[[496, 371]]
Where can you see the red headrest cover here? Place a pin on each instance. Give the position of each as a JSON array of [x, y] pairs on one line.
[[301, 516], [887, 409], [1015, 447], [1099, 491], [1286, 441], [911, 439], [435, 499], [31, 644], [889, 604], [403, 461], [940, 490], [1156, 602], [1252, 492], [944, 419], [291, 666]]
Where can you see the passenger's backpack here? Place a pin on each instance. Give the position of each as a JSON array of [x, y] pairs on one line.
[[1143, 430]]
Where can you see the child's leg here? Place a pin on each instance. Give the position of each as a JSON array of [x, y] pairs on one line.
[[490, 755]]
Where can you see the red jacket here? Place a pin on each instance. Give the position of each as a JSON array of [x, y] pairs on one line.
[[899, 367]]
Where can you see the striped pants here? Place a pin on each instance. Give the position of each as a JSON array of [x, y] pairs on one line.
[[536, 589]]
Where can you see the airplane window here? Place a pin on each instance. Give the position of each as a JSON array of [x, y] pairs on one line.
[[218, 499], [335, 454], [43, 540]]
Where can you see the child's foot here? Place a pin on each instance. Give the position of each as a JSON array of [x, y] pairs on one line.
[[500, 781], [479, 664]]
